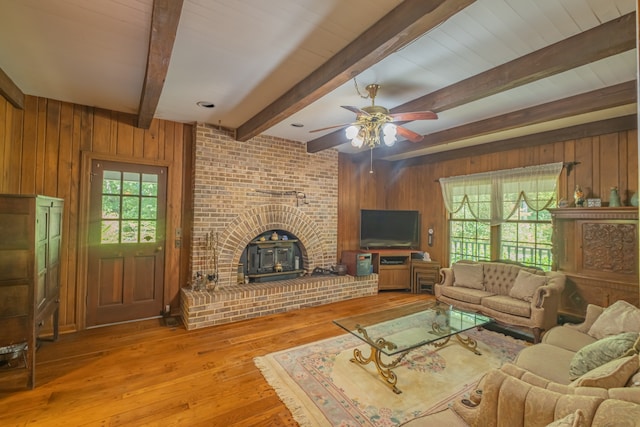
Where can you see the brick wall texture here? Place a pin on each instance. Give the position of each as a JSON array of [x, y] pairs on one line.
[[231, 201]]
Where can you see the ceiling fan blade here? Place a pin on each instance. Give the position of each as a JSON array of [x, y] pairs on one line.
[[355, 110], [330, 127], [409, 134], [415, 115]]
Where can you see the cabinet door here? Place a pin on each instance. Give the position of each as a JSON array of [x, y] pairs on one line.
[[394, 277], [42, 252]]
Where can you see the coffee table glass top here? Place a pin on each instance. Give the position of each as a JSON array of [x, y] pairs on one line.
[[410, 326]]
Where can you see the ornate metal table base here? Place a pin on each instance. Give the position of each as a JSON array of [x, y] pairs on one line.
[[468, 343], [385, 369]]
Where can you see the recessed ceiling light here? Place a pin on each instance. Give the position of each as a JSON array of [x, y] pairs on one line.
[[205, 104], [297, 125]]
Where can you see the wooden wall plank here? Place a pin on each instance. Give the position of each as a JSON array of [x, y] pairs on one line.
[[28, 164], [5, 147], [51, 148], [41, 143]]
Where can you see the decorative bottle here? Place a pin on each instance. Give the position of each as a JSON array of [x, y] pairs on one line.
[[614, 197]]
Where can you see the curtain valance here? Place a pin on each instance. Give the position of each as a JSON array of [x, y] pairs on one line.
[[495, 196]]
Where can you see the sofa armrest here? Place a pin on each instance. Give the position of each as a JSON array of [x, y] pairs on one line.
[[593, 312], [446, 276]]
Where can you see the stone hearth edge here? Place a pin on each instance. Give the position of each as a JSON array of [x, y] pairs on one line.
[[233, 303]]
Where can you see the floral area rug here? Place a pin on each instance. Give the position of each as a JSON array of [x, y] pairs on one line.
[[322, 387]]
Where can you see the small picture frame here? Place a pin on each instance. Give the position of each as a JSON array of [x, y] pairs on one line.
[[594, 203]]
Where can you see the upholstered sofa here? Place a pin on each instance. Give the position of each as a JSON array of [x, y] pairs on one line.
[[511, 294], [579, 375]]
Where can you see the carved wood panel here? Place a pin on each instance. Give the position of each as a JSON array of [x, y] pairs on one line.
[[609, 247]]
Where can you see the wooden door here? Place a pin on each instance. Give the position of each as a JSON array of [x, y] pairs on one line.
[[126, 242]]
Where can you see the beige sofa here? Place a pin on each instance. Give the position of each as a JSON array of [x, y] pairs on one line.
[[539, 389], [511, 294]]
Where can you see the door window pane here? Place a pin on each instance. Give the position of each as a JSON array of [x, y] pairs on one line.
[[111, 182], [131, 183], [149, 184], [130, 207], [149, 208], [110, 232], [110, 207], [148, 231], [130, 232]]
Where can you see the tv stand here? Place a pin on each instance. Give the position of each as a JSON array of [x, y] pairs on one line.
[[393, 267]]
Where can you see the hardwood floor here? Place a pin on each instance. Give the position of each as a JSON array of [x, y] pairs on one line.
[[144, 373]]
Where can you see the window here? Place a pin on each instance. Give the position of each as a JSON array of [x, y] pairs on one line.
[[129, 207], [502, 215]]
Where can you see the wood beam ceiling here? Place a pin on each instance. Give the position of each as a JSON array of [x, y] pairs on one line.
[[608, 97], [408, 21], [164, 25], [10, 91], [605, 40]]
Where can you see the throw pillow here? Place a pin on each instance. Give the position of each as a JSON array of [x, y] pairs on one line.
[[610, 375], [600, 352], [620, 316], [468, 275], [526, 285], [575, 419]]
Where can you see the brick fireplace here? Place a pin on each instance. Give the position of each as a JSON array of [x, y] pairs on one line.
[[245, 189]]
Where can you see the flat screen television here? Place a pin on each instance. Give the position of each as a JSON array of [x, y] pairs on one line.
[[389, 229]]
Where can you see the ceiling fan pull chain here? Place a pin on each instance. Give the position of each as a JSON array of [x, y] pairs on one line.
[[371, 164]]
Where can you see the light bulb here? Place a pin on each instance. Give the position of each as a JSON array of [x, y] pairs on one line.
[[357, 141], [351, 132], [390, 132]]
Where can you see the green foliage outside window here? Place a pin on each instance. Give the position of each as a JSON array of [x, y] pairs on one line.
[[129, 207]]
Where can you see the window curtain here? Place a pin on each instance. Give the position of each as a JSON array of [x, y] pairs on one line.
[[496, 196]]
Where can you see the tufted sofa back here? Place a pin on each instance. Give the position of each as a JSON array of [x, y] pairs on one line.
[[499, 276]]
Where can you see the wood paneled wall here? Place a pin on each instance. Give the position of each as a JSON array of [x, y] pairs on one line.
[[41, 149], [605, 160]]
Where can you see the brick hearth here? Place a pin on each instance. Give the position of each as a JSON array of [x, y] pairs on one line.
[[232, 303]]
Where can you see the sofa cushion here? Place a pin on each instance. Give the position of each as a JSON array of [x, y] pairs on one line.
[[567, 337], [575, 419], [601, 352], [618, 413], [508, 305], [612, 374], [499, 277], [619, 317], [526, 285], [468, 275], [472, 296], [546, 361]]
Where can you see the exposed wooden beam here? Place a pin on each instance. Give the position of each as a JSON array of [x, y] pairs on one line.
[[605, 40], [608, 97], [616, 124], [10, 91], [164, 25], [408, 21]]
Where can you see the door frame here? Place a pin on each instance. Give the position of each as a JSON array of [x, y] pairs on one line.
[[82, 268]]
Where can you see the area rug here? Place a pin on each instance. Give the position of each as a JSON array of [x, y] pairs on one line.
[[321, 387]]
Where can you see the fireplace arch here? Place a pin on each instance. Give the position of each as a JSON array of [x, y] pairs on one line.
[[261, 219]]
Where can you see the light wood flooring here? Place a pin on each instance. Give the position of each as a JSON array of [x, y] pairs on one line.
[[145, 373]]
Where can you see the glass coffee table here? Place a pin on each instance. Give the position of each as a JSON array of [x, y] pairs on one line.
[[397, 331]]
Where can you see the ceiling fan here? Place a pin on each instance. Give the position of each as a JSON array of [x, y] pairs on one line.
[[374, 123]]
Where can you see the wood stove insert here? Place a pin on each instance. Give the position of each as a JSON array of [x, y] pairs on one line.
[[273, 256]]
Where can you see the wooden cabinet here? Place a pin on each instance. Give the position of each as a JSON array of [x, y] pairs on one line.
[[31, 230], [393, 267], [597, 248], [424, 275]]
